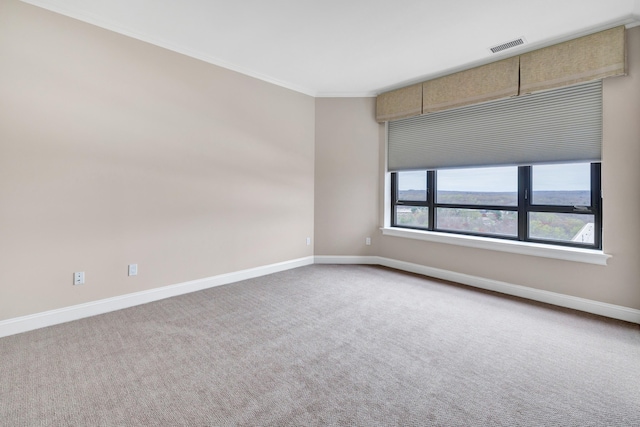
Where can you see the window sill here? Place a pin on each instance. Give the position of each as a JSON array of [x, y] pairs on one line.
[[588, 256]]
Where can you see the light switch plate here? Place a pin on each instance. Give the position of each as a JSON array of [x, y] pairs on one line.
[[133, 269]]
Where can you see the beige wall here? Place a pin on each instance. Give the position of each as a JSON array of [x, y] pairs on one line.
[[114, 151], [619, 282], [342, 181], [347, 194]]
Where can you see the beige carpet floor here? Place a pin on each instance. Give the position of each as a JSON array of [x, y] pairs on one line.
[[327, 345]]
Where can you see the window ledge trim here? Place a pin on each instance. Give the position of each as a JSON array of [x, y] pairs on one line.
[[589, 256]]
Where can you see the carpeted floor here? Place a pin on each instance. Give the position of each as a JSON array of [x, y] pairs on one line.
[[327, 345]]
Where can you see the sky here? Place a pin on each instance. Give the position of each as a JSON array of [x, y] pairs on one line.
[[567, 177]]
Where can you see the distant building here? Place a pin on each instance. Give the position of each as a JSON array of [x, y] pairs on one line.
[[585, 235]]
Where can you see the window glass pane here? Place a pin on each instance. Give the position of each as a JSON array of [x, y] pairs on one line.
[[564, 227], [478, 221], [478, 186], [412, 216], [567, 184], [412, 186]]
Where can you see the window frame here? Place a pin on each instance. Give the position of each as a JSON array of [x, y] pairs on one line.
[[523, 209]]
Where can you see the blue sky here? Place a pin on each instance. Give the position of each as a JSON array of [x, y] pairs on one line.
[[567, 177]]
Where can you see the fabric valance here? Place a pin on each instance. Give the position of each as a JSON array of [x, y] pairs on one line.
[[400, 103], [584, 59], [486, 83], [580, 60]]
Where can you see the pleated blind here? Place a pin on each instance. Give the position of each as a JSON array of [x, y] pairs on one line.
[[561, 125]]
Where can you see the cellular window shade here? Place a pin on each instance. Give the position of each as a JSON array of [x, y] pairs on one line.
[[580, 60], [485, 83], [563, 125], [400, 103]]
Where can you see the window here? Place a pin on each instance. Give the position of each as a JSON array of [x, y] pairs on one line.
[[554, 204]]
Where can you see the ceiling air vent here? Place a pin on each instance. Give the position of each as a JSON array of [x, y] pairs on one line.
[[507, 45]]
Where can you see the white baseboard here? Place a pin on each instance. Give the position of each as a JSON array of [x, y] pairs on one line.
[[582, 304], [75, 312], [67, 314], [321, 259]]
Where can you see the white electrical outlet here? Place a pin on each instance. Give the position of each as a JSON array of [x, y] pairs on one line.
[[367, 241], [133, 269], [78, 278], [308, 241]]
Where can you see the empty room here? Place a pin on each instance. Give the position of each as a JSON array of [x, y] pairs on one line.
[[319, 213]]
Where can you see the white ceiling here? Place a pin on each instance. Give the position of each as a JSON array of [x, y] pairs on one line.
[[348, 47]]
